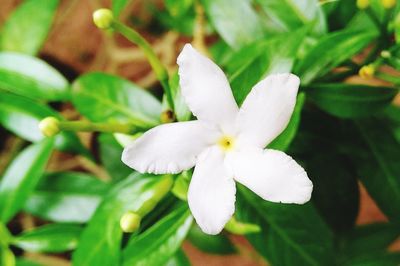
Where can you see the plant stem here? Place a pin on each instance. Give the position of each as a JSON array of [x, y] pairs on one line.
[[158, 67], [100, 127]]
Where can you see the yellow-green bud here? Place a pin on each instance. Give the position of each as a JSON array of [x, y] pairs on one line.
[[49, 126], [103, 18], [367, 71], [386, 54], [362, 4], [130, 222], [388, 4]]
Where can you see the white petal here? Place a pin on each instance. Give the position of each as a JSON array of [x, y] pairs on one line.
[[211, 195], [205, 88], [267, 109], [169, 148], [271, 174]]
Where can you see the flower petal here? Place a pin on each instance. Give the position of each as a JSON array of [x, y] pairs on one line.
[[211, 195], [271, 174], [169, 148], [267, 109], [205, 88]]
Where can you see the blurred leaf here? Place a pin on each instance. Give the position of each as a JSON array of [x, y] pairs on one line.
[[110, 156], [101, 97], [31, 77], [254, 62], [335, 193], [100, 241], [51, 238], [284, 139], [28, 26], [69, 197], [159, 243], [181, 109], [214, 244], [118, 6], [24, 262], [225, 16], [376, 158], [329, 52], [376, 259], [370, 238], [5, 235], [179, 259], [7, 258], [21, 177], [290, 15], [291, 234], [350, 100], [22, 116], [342, 12]]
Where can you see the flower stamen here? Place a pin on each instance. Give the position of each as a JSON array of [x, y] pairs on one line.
[[226, 143]]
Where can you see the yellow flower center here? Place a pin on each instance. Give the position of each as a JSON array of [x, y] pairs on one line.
[[226, 143]]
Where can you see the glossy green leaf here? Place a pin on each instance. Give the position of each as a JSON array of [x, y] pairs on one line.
[[376, 159], [349, 100], [110, 156], [179, 259], [118, 6], [101, 97], [7, 258], [31, 77], [159, 243], [100, 241], [51, 238], [254, 62], [68, 197], [21, 116], [214, 244], [329, 52], [290, 15], [22, 176], [28, 26], [283, 141], [291, 234], [225, 16]]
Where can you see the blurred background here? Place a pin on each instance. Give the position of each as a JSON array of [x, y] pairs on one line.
[[74, 46]]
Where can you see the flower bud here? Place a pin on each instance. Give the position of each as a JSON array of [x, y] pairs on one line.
[[388, 4], [130, 222], [386, 54], [362, 4], [103, 18], [367, 71], [167, 116], [49, 126]]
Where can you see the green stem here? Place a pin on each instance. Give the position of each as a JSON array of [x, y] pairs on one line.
[[158, 67], [99, 127]]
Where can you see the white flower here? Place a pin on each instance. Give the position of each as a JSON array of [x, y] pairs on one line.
[[225, 144]]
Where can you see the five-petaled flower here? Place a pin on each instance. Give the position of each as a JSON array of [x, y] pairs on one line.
[[225, 144]]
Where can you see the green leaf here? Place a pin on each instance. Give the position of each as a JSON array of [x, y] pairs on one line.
[[28, 26], [24, 262], [7, 258], [254, 62], [31, 77], [51, 238], [100, 241], [21, 177], [214, 244], [179, 259], [370, 238], [375, 154], [283, 141], [290, 15], [101, 97], [68, 197], [329, 52], [376, 259], [350, 100], [22, 116], [110, 157], [225, 16], [118, 6], [159, 243], [182, 111], [291, 234]]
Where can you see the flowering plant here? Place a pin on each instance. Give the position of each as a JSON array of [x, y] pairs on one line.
[[258, 127]]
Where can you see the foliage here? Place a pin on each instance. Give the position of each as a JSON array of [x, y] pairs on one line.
[[345, 131]]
